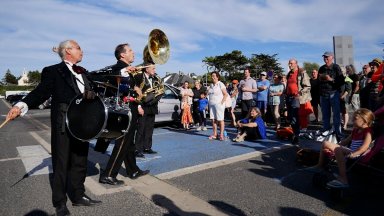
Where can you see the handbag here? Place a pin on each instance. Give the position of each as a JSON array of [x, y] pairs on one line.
[[228, 102]]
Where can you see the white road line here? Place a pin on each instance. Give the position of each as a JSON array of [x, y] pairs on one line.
[[38, 123], [155, 134], [7, 104], [214, 164], [42, 142], [36, 159], [92, 185], [10, 159]]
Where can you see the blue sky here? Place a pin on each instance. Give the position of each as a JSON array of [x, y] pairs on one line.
[[195, 28]]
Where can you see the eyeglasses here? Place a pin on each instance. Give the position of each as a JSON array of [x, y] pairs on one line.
[[263, 75]]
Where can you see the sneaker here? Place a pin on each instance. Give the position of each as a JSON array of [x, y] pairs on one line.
[[337, 184], [198, 128], [238, 139], [204, 128]]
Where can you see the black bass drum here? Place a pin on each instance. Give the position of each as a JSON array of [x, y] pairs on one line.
[[90, 119]]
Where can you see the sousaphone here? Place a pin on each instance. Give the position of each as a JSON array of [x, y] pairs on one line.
[[157, 50]]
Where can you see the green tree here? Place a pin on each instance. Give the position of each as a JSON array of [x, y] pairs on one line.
[[229, 63], [264, 62], [9, 78], [309, 67], [34, 77]]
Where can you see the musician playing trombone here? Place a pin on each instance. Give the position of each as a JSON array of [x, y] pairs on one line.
[[124, 149]]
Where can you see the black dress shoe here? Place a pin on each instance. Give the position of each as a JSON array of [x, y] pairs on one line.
[[86, 201], [110, 181], [149, 151], [137, 174], [62, 210], [139, 154]]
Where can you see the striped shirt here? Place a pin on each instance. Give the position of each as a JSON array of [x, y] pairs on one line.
[[358, 138]]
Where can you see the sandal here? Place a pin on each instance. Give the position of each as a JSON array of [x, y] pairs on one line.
[[222, 138], [212, 137]]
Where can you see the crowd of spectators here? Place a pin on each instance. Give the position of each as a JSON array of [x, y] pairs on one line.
[[334, 90]]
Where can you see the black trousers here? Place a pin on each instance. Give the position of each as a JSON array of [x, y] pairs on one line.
[[195, 112], [293, 106], [245, 107], [144, 133], [252, 133], [124, 150], [69, 161]]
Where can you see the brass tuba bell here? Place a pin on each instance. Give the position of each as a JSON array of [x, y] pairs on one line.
[[157, 50]]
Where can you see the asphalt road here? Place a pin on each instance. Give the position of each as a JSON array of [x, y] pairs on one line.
[[190, 175]]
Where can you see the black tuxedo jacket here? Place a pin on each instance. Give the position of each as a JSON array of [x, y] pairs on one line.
[[57, 82], [150, 108]]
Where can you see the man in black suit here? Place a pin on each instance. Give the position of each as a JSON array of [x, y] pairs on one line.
[[147, 120], [63, 82], [124, 149]]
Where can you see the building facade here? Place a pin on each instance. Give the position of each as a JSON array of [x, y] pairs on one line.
[[343, 49]]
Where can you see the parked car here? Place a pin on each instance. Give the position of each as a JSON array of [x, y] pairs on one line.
[[13, 99], [169, 105]]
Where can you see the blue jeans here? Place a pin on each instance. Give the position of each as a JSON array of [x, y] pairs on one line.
[[327, 103]]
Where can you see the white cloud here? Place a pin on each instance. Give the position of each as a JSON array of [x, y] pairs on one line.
[[196, 29]]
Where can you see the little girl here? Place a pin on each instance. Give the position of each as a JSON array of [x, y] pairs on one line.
[[359, 141], [186, 117]]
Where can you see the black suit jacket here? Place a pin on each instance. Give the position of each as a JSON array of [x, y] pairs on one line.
[[57, 82], [149, 108], [109, 75]]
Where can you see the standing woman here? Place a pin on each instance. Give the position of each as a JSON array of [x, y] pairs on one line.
[[217, 96], [234, 94], [197, 90], [186, 102]]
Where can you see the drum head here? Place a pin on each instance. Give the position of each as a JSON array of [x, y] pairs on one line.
[[86, 118]]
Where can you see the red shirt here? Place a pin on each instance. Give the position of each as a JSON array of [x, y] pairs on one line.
[[292, 87]]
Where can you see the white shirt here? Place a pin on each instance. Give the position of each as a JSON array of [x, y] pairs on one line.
[[79, 77], [124, 72], [149, 80]]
